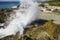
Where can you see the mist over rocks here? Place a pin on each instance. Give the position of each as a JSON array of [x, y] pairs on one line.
[[20, 21]]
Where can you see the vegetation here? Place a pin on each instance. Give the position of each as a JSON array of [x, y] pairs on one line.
[[54, 4], [55, 0]]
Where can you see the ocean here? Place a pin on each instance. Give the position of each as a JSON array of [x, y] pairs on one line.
[[9, 4]]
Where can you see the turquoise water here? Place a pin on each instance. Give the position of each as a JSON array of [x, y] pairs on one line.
[[8, 4]]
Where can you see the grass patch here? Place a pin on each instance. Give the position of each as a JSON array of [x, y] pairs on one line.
[[54, 4]]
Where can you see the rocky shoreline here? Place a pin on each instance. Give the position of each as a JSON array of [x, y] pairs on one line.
[[45, 30], [45, 7]]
